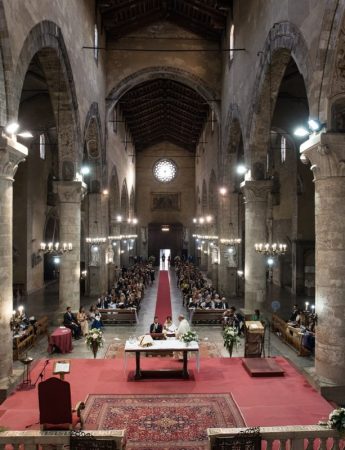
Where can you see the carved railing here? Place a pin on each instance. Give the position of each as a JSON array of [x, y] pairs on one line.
[[306, 437], [56, 440]]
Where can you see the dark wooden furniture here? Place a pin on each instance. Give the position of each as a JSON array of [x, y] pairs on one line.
[[206, 316], [254, 338], [118, 316], [289, 334], [23, 342], [262, 367]]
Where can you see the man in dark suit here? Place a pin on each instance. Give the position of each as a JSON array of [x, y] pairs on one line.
[[156, 327], [70, 321]]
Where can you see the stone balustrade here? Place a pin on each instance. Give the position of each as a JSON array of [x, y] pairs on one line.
[[54, 440], [297, 437]]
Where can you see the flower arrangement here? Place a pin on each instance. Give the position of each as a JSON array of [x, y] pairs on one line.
[[94, 340], [336, 419], [230, 336], [190, 336]]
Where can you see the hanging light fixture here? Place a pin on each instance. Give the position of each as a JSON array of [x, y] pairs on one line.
[[267, 249], [55, 248]]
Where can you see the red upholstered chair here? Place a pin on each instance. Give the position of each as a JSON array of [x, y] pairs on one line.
[[54, 396]]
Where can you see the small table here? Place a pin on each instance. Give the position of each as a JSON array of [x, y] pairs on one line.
[[62, 339], [170, 345], [26, 374]]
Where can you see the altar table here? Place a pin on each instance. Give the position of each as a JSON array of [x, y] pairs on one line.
[[169, 345], [62, 339]]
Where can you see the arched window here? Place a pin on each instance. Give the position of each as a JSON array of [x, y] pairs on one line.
[[42, 146], [282, 149], [95, 43], [232, 42]]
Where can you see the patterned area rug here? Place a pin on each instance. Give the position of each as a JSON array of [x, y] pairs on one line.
[[164, 422], [207, 350]]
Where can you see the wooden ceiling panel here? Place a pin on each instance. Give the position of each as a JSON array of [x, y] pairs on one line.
[[206, 18], [164, 109]]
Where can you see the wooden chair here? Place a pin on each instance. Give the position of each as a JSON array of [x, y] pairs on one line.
[[54, 396]]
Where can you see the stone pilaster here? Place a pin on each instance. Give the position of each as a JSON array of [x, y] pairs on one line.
[[115, 230], [255, 198], [70, 194], [11, 154], [326, 153]]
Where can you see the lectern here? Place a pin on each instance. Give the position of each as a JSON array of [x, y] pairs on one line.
[[254, 339]]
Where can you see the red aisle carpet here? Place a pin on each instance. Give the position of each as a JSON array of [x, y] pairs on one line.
[[287, 400], [163, 305]]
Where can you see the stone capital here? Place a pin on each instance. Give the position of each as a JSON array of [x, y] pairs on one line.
[[70, 191], [11, 154], [326, 154], [256, 190]]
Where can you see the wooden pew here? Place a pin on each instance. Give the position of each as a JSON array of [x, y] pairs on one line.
[[42, 326], [206, 316], [290, 335], [116, 316], [23, 342]]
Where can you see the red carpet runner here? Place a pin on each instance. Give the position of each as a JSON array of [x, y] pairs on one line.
[[163, 305]]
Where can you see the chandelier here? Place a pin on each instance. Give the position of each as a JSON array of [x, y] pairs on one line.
[[96, 240], [274, 249], [56, 248]]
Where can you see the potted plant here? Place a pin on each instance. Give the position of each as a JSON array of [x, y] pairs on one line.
[[230, 336], [94, 340], [152, 259], [189, 336]]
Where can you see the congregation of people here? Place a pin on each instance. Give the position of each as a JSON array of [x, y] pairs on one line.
[[127, 292]]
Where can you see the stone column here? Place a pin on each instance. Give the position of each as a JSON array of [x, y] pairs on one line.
[[255, 198], [11, 154], [70, 194], [114, 231], [326, 153]]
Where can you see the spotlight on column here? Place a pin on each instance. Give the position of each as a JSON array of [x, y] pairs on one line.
[[25, 134], [12, 128], [223, 190], [270, 261], [314, 125], [85, 170], [208, 219], [195, 220], [201, 220], [56, 260], [301, 132], [105, 192], [134, 221], [241, 169], [240, 273], [118, 218]]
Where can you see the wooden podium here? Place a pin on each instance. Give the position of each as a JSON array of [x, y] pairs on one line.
[[254, 339], [61, 367]]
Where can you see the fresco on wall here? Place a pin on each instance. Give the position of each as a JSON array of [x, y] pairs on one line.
[[165, 201]]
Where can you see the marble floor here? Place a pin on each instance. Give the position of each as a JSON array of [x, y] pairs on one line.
[[47, 301]]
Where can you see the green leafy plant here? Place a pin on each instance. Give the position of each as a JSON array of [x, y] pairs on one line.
[[336, 419]]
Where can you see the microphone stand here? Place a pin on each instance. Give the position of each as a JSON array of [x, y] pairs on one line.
[[42, 373]]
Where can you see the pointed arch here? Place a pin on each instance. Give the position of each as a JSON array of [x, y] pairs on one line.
[[114, 196], [124, 201], [46, 41], [204, 198], [212, 194]]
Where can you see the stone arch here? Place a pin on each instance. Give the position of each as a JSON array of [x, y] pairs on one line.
[[204, 198], [212, 194], [124, 201], [114, 196], [46, 41], [5, 69], [167, 72], [329, 55], [284, 41]]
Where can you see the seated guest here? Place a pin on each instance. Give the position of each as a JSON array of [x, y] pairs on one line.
[[231, 319], [219, 304], [207, 303], [256, 315], [224, 303], [169, 327], [102, 302], [70, 321], [294, 314], [156, 327], [83, 321]]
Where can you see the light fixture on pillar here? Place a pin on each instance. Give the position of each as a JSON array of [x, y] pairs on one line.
[[165, 228], [241, 169], [83, 274], [12, 128], [313, 126], [223, 190], [268, 249], [55, 248]]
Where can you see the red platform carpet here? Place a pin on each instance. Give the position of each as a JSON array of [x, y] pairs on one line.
[[162, 421], [288, 400], [163, 305]]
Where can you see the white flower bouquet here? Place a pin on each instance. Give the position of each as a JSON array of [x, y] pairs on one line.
[[336, 419], [230, 336], [94, 337], [189, 336]]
